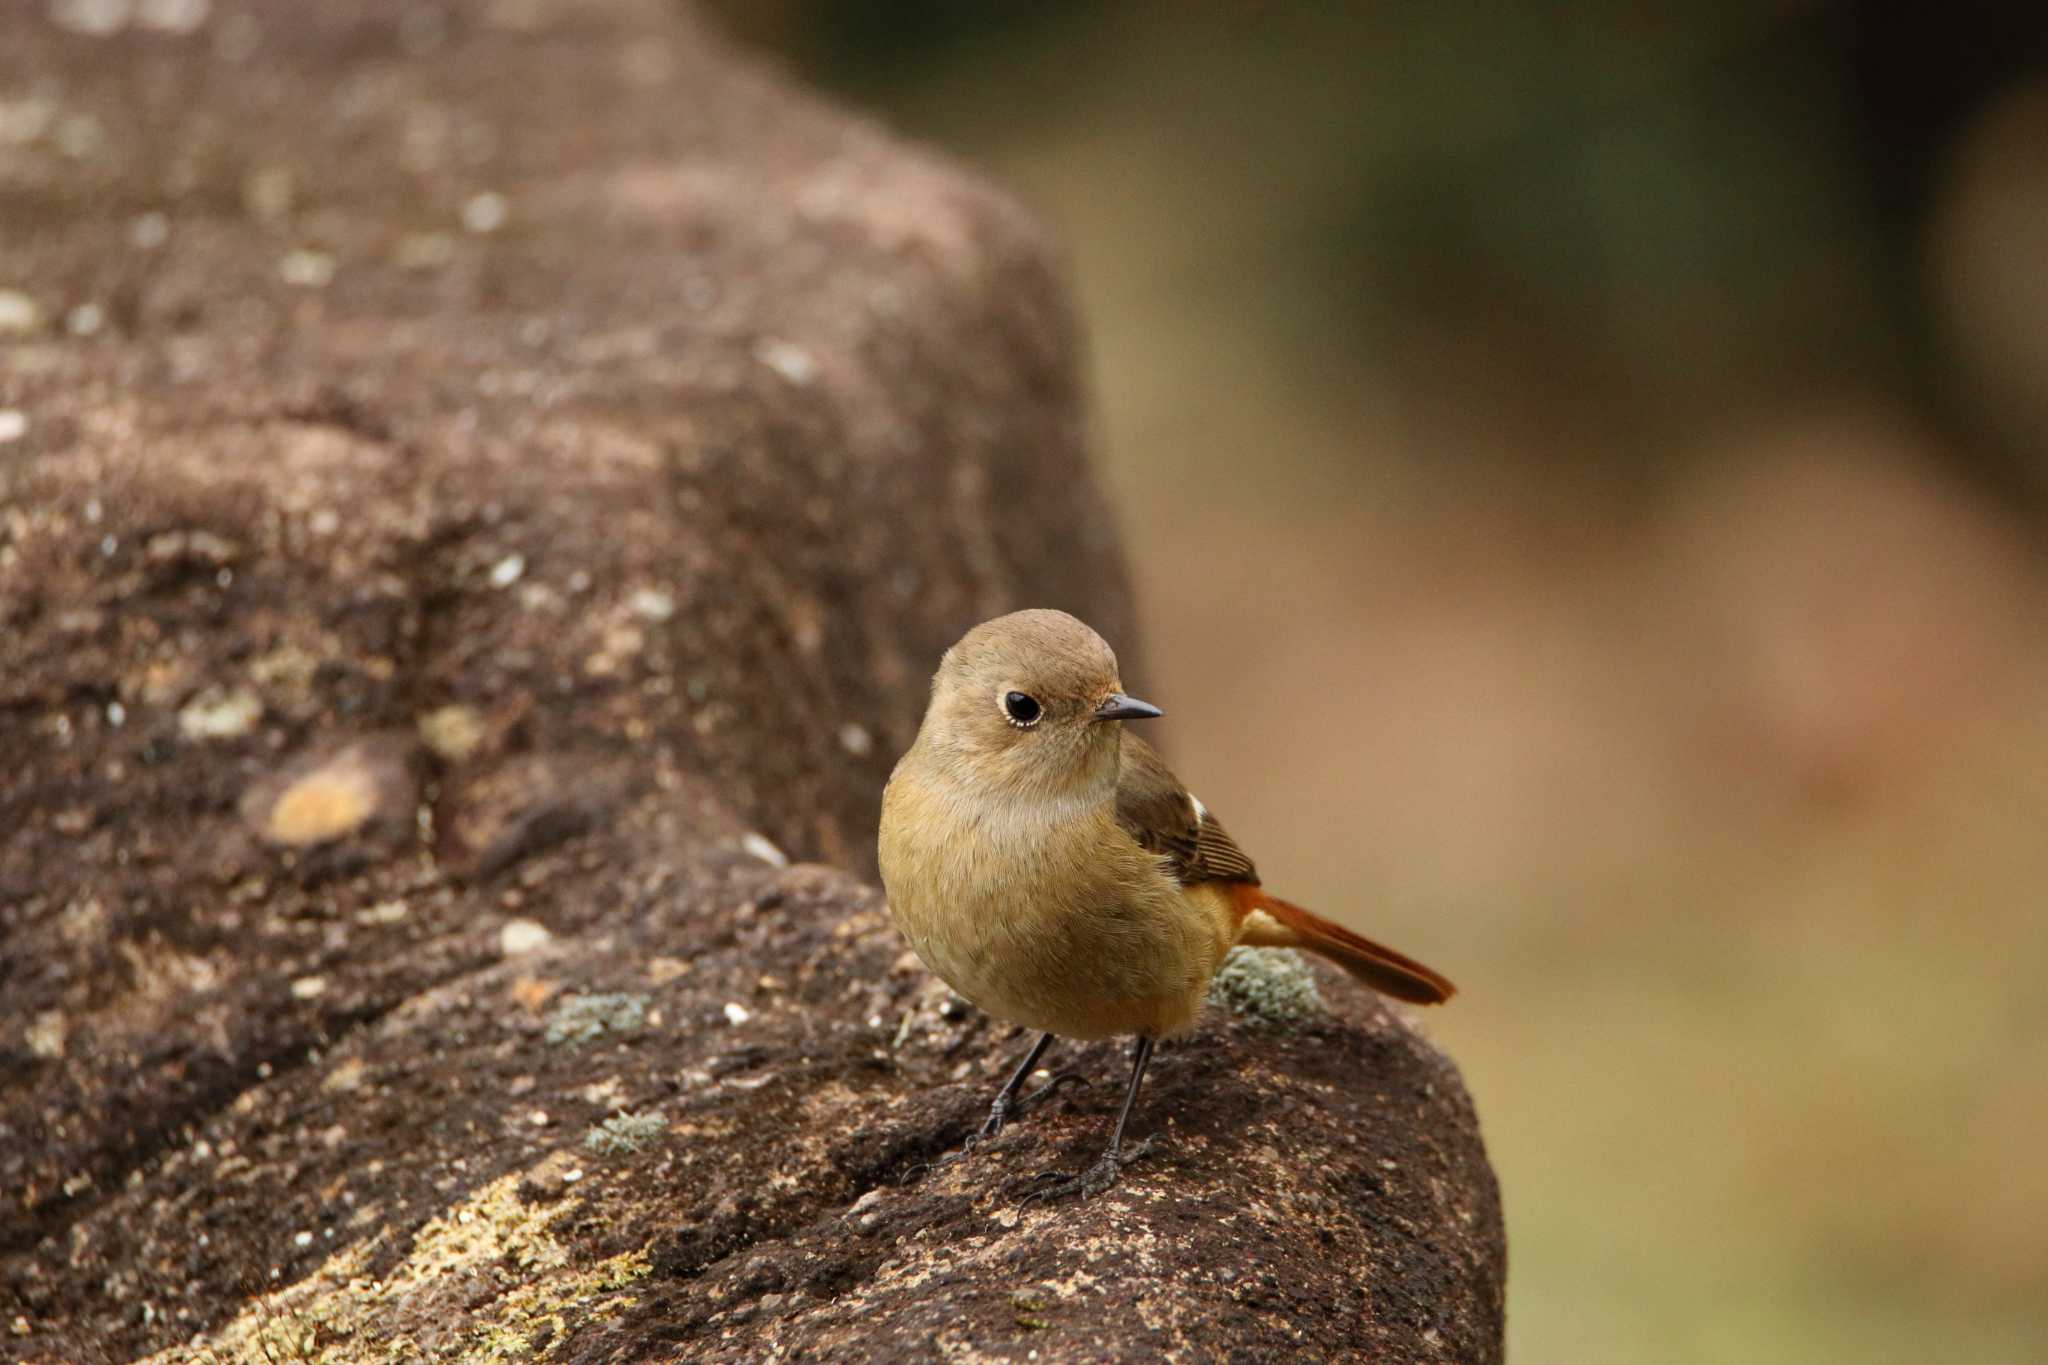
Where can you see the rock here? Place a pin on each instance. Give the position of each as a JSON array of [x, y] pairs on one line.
[[794, 405], [220, 713], [523, 936], [322, 798]]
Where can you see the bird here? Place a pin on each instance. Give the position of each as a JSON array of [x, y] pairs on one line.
[[1044, 861]]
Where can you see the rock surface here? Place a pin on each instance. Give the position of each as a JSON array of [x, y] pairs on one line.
[[477, 484]]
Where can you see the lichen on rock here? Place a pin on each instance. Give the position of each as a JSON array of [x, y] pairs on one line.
[[1270, 987], [583, 1019]]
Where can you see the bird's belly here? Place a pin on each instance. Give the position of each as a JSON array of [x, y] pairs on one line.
[[1099, 960]]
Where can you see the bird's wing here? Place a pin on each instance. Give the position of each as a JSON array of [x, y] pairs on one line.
[[1165, 818]]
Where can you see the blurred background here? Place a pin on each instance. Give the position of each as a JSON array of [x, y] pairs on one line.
[[1585, 468]]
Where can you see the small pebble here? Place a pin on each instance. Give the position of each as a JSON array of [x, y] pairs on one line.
[[85, 320], [508, 570], [92, 18], [522, 936], [173, 16], [652, 604], [856, 740], [736, 1014], [220, 714], [309, 987], [13, 425], [149, 231], [306, 269], [383, 912], [485, 212], [18, 312], [453, 732], [789, 360], [22, 121]]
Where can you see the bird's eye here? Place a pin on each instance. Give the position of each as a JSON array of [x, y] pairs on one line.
[[1023, 710]]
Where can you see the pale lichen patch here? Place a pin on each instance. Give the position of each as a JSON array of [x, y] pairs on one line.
[[483, 1281], [1270, 987]]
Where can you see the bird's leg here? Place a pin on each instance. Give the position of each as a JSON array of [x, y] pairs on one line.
[[1103, 1173], [999, 1111]]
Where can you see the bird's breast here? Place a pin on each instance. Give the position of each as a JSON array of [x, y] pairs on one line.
[[1060, 923]]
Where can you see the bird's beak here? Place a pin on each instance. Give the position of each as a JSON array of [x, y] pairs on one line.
[[1117, 706]]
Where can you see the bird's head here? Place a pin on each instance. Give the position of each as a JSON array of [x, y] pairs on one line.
[[1030, 701]]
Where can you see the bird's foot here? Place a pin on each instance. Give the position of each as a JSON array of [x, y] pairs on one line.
[[1058, 1080], [1091, 1182], [925, 1168], [991, 1128]]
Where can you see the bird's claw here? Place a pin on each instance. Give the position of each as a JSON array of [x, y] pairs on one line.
[[1054, 1083], [925, 1168], [1091, 1182]]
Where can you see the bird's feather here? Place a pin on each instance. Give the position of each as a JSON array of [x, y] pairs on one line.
[[1165, 819]]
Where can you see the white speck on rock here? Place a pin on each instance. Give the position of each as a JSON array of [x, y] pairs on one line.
[[787, 359], [309, 987], [762, 847], [736, 1014], [486, 212], [48, 1034], [85, 319], [863, 1211], [18, 312], [324, 522], [92, 18], [522, 936], [304, 268], [149, 231], [652, 604], [173, 16], [453, 732], [13, 425], [856, 740], [508, 570], [22, 121], [219, 713], [117, 714], [383, 912], [302, 1239]]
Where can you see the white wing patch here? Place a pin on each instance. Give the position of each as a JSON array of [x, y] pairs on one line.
[[1201, 811]]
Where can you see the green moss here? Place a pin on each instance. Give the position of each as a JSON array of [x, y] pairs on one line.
[[1025, 1311], [1268, 986], [624, 1133], [583, 1019]]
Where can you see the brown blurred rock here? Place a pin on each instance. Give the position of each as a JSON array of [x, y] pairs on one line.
[[340, 1022]]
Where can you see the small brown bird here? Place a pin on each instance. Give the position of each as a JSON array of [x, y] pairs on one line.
[[1051, 868]]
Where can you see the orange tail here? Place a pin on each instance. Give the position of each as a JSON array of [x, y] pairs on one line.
[[1271, 922]]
